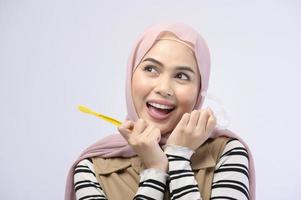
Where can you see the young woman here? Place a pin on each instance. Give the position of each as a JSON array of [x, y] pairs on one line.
[[168, 147]]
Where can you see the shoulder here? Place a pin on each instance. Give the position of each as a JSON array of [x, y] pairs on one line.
[[234, 152], [235, 147], [231, 174], [86, 184], [85, 162], [227, 146], [84, 166]]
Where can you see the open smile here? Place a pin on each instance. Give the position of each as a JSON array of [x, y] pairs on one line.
[[159, 111]]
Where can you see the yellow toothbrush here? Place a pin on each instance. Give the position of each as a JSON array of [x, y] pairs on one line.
[[101, 116]]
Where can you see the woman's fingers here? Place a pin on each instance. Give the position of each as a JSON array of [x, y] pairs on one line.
[[154, 134], [202, 121], [193, 129], [139, 127], [193, 120], [139, 132], [126, 128], [144, 139], [184, 121], [150, 134], [211, 124]]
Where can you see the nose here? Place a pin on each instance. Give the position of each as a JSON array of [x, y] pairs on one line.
[[164, 87]]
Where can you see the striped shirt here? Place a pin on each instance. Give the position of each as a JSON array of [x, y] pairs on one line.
[[230, 181]]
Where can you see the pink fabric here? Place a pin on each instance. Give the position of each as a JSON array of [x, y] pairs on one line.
[[114, 145]]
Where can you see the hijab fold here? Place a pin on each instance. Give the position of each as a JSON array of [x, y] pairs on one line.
[[115, 145]]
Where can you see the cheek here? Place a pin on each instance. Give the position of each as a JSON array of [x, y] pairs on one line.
[[140, 87], [187, 98]]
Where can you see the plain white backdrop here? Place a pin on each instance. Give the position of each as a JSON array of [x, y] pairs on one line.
[[55, 55]]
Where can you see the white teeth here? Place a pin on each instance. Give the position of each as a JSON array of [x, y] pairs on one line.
[[161, 106]]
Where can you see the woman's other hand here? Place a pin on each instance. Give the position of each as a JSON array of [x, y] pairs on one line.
[[193, 129], [144, 139]]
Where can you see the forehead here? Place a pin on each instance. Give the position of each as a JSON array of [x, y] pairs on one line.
[[171, 53]]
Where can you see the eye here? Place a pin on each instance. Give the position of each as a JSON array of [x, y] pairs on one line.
[[181, 75], [149, 68]]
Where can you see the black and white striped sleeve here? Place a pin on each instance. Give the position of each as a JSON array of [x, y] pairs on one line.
[[182, 184], [86, 185], [231, 176], [152, 183]]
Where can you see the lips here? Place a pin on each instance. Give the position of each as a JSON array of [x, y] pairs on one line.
[[160, 109], [162, 102]]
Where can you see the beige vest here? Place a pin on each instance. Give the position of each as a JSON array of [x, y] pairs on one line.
[[119, 177]]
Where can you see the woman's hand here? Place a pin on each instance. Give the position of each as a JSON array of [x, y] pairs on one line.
[[193, 129], [144, 139]]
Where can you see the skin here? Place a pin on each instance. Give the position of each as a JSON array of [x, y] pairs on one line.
[[189, 128], [153, 81]]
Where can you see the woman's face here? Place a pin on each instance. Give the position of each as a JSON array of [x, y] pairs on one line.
[[165, 84]]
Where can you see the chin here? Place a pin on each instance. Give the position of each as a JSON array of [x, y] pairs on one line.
[[162, 126]]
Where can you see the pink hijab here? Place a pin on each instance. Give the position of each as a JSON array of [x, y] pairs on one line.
[[115, 145]]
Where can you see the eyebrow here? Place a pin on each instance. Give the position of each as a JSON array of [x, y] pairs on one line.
[[177, 67]]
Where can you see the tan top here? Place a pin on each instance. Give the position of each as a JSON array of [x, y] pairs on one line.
[[119, 177]]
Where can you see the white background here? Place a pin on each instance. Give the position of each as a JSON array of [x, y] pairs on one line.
[[55, 55]]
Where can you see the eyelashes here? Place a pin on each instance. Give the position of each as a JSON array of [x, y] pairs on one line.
[[146, 68], [150, 68], [187, 77]]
